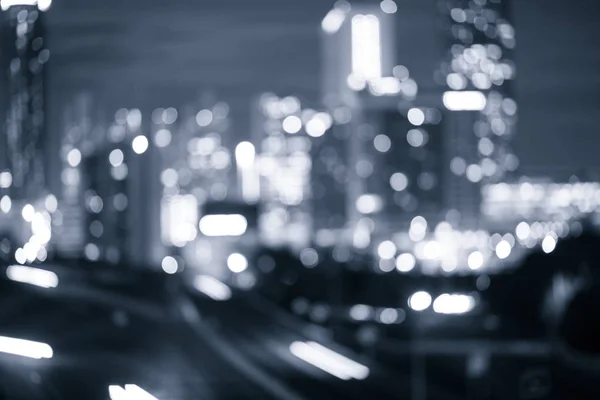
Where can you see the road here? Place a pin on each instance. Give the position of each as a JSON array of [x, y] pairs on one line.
[[126, 327], [100, 338]]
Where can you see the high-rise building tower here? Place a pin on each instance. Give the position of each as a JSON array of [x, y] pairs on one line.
[[23, 55], [478, 74], [282, 132]]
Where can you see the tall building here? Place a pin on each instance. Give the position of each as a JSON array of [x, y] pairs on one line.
[[23, 55], [395, 160], [282, 131], [77, 131], [481, 119]]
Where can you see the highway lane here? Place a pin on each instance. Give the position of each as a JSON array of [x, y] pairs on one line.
[[97, 342], [263, 334]]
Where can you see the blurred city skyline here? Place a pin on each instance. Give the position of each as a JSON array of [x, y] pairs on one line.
[[238, 50]]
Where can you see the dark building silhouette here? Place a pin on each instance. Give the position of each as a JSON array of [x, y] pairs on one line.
[[23, 55]]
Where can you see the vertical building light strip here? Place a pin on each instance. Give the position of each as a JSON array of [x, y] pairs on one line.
[[366, 47]]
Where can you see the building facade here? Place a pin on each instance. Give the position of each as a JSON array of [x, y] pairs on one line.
[[478, 74], [23, 58]]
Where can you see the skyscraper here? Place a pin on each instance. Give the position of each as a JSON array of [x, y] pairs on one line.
[[481, 118], [23, 55], [282, 131]]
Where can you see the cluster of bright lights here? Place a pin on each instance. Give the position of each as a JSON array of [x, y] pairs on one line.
[[41, 233], [179, 216], [443, 304], [544, 199], [476, 74], [446, 249], [284, 165], [382, 315]]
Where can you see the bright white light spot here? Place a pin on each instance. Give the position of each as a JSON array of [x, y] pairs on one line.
[[316, 127], [118, 393], [369, 203], [449, 263], [139, 144], [51, 203], [388, 85], [416, 116], [44, 5], [356, 82], [32, 276], [245, 155], [25, 348], [329, 361], [398, 181], [464, 101], [386, 250], [333, 21], [382, 143], [474, 173], [5, 179], [74, 157], [212, 288], [292, 124], [169, 265], [137, 393], [432, 250], [237, 263], [418, 228], [388, 6], [503, 249], [419, 301], [366, 47], [130, 392], [475, 260], [309, 257], [456, 81], [116, 157], [523, 231], [134, 119], [204, 118], [20, 256], [5, 204], [405, 262], [162, 138], [28, 212], [223, 225], [453, 304], [92, 252], [548, 244]]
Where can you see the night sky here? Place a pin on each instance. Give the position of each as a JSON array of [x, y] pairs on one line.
[[151, 53]]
